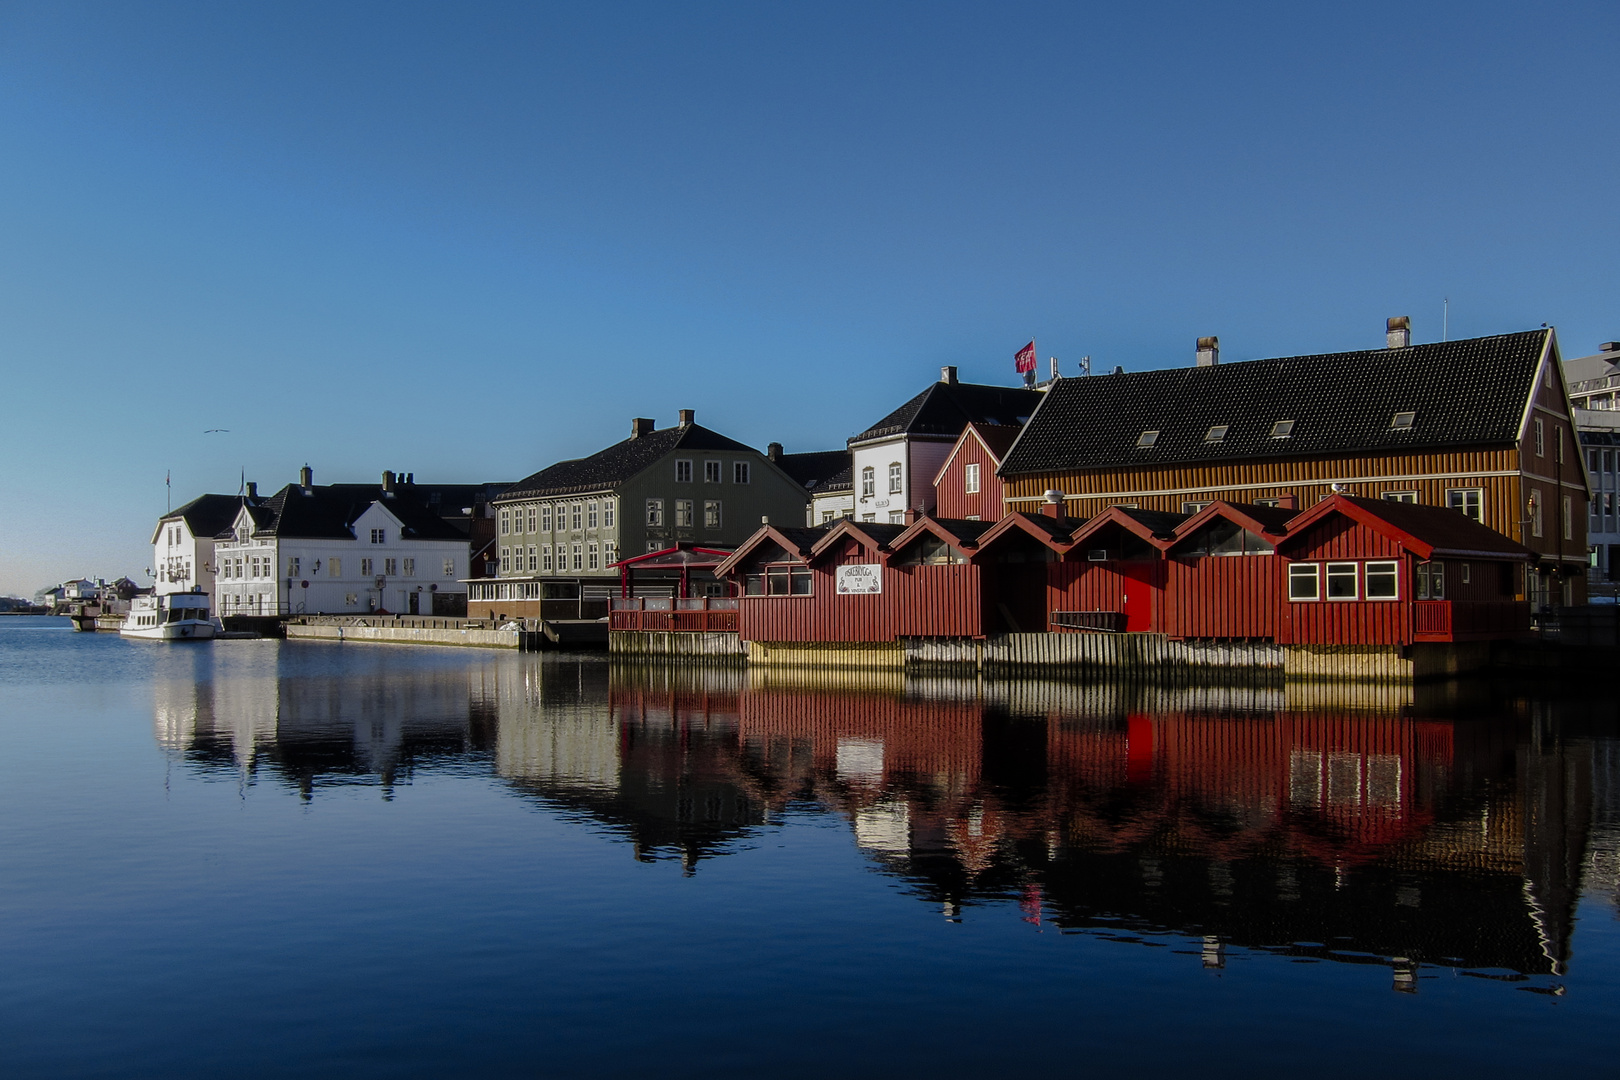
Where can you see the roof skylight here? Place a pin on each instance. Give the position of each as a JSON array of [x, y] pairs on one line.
[[1147, 438], [1215, 434], [1403, 421], [1282, 429]]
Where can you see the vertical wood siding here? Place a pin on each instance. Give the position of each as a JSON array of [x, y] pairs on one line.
[[953, 499], [1221, 596]]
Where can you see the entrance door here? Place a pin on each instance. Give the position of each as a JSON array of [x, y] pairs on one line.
[[1137, 586], [414, 602]]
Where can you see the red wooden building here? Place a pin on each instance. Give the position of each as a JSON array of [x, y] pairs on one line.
[[1112, 575], [1222, 577], [967, 486]]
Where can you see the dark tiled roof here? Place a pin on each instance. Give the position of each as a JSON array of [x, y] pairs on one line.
[[620, 462], [328, 511], [947, 408], [1164, 522], [842, 480], [805, 537], [965, 529], [1446, 529], [1464, 393], [207, 515], [814, 469], [998, 438]]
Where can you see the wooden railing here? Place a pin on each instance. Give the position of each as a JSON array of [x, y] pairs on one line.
[[697, 615], [1108, 621], [1468, 620]]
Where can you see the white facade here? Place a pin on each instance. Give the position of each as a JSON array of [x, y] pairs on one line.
[[182, 562], [830, 506], [896, 473], [375, 569]]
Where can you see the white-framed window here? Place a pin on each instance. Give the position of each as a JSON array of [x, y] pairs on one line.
[[1567, 522], [896, 481], [534, 558], [607, 513], [683, 513], [1192, 507], [1467, 573], [655, 545], [545, 518], [576, 515], [1541, 437], [1431, 581], [897, 517], [711, 513], [868, 482], [533, 517], [1268, 501], [409, 566], [292, 567], [1147, 438], [1535, 513], [828, 516], [711, 472], [506, 522], [610, 553], [1216, 433], [579, 557], [1282, 429], [683, 472], [593, 555], [970, 479], [1304, 581], [390, 567], [1342, 581], [739, 472], [449, 567], [655, 512], [590, 515], [366, 565], [1403, 421], [1471, 501], [545, 556], [1383, 580], [379, 536], [1400, 496]]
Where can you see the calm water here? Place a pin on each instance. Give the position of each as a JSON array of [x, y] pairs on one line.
[[256, 858]]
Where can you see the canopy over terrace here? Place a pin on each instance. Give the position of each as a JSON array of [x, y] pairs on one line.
[[681, 571]]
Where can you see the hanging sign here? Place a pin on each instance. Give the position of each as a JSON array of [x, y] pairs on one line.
[[860, 578]]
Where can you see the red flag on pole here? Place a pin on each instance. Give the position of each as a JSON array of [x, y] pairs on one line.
[[1024, 362]]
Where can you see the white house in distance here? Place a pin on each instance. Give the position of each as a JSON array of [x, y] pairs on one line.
[[348, 548], [896, 459], [183, 544]]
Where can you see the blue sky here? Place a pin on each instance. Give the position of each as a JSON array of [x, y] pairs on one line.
[[468, 240]]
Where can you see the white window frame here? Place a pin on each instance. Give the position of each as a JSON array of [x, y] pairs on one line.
[[1541, 437], [712, 472], [868, 482], [1301, 572], [1368, 572], [1327, 580], [1399, 496], [897, 478], [655, 513], [683, 513], [711, 514], [545, 518], [970, 478], [1458, 498], [607, 513], [740, 473]]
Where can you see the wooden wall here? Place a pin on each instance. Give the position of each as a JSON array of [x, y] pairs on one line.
[[1223, 596], [1077, 584], [952, 498]]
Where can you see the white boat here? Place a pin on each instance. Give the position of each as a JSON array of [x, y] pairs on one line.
[[175, 617]]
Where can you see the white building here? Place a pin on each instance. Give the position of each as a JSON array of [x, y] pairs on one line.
[[183, 544], [348, 548], [896, 459]]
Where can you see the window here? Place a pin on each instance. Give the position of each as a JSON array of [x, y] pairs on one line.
[[739, 472], [1282, 429], [449, 568], [897, 517], [1471, 501], [1268, 502], [1535, 513], [590, 515], [1592, 459], [592, 557], [779, 581], [545, 518], [868, 482], [1382, 581], [895, 481], [1467, 573], [367, 564], [868, 517], [610, 553], [1304, 582], [711, 472], [711, 513], [379, 536], [683, 472], [1146, 439], [545, 556], [1217, 433], [534, 558], [1431, 581], [654, 545], [1192, 507], [579, 557], [1341, 581], [292, 567], [1402, 421], [970, 479], [334, 567], [410, 566], [575, 515], [827, 516], [1560, 446], [1541, 438], [655, 511], [683, 513], [1608, 461], [1567, 520], [1400, 496], [607, 513], [506, 523], [390, 567]]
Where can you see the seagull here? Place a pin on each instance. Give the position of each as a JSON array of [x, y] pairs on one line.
[[211, 430]]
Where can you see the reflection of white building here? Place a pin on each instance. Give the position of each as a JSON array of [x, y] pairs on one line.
[[571, 743], [183, 544]]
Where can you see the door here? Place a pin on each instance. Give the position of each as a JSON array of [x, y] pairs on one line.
[[1137, 586], [414, 602]]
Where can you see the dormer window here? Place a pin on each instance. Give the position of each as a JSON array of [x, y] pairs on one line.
[[1216, 434], [1146, 439], [1403, 421], [1282, 429]]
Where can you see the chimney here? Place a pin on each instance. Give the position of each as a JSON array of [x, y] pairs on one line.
[[1609, 346], [388, 480], [410, 478], [1288, 502], [640, 426], [306, 477], [947, 375], [686, 417], [911, 515], [252, 491], [1053, 507], [774, 451], [1398, 332], [1209, 351]]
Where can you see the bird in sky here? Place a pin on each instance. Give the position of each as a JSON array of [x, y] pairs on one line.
[[211, 430]]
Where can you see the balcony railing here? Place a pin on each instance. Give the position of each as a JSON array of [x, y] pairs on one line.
[[1469, 620], [694, 615], [1107, 621]]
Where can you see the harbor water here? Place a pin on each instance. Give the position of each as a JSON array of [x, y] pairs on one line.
[[258, 858]]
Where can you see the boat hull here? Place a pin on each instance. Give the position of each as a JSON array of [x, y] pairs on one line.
[[187, 630]]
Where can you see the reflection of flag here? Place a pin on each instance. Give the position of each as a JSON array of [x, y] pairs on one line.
[[1024, 362]]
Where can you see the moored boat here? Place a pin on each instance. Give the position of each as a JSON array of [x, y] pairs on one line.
[[174, 617]]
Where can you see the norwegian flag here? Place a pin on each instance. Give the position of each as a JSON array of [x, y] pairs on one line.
[[1024, 362]]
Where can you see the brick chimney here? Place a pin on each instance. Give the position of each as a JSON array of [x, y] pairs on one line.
[[947, 375], [774, 451], [686, 417], [1053, 507], [1398, 332], [911, 515], [640, 426], [1209, 351]]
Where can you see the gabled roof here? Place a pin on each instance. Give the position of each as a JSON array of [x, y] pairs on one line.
[[1426, 531], [620, 462], [995, 438], [1465, 393], [684, 556], [329, 511], [795, 541], [961, 533], [876, 535], [815, 468], [1157, 527], [1054, 532], [206, 515], [946, 408], [1261, 520]]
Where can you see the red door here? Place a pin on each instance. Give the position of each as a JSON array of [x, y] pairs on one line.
[[1137, 584]]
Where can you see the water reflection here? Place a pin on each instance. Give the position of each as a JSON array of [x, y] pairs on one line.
[[1342, 824]]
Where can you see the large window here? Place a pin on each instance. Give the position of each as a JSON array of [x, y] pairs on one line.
[[379, 536], [1383, 581], [593, 555], [1431, 581], [711, 472], [895, 481], [545, 518], [868, 482], [1471, 501], [778, 580], [1341, 581], [739, 472], [1541, 438], [1304, 581], [655, 512], [575, 515], [607, 513], [590, 515], [683, 472], [711, 513], [683, 513], [506, 522], [532, 511], [579, 557], [971, 479]]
